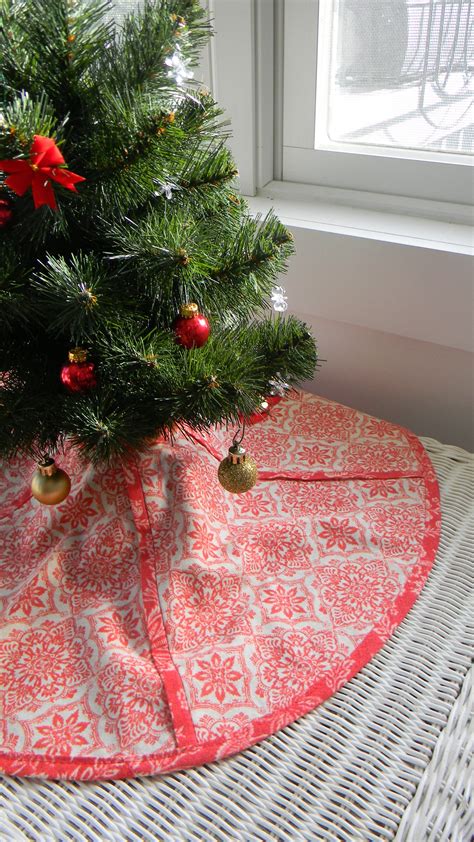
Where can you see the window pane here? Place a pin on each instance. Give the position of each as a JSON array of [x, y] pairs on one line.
[[398, 73]]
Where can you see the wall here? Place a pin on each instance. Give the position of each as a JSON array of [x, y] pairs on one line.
[[395, 326], [421, 385]]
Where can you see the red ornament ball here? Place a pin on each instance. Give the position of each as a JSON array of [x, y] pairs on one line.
[[78, 375], [6, 212], [191, 328]]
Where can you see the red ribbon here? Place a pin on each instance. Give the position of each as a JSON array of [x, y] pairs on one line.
[[43, 167]]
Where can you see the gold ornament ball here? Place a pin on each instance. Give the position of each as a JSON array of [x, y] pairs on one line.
[[237, 473], [50, 484]]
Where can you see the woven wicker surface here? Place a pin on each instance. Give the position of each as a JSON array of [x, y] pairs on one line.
[[390, 756]]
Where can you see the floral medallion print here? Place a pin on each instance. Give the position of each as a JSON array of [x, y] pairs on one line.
[[290, 661], [164, 524], [111, 490], [31, 600], [203, 541], [271, 452], [283, 601], [154, 621], [235, 730], [381, 489], [194, 481], [63, 734], [321, 456], [105, 567], [320, 498], [233, 733], [72, 463], [205, 606], [326, 422], [119, 627], [131, 694], [12, 482], [379, 457], [338, 533], [253, 505], [398, 529], [274, 549], [220, 679], [396, 521], [77, 510], [149, 466], [9, 742], [356, 593], [42, 664], [378, 429], [24, 549]]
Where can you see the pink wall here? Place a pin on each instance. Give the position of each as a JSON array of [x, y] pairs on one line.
[[421, 385]]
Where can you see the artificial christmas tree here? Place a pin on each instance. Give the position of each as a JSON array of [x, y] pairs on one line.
[[126, 238], [151, 620]]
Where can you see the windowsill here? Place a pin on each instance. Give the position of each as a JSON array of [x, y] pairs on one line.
[[439, 226]]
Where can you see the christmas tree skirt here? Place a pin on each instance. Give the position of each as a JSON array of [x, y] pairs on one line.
[[153, 621]]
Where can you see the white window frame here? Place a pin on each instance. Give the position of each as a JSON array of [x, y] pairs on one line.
[[238, 67]]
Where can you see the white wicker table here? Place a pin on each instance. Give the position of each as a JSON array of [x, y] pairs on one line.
[[390, 756]]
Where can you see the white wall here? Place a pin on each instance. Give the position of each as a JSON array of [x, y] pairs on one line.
[[423, 386], [395, 326]]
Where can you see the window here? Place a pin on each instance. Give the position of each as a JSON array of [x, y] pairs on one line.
[[397, 76], [378, 96]]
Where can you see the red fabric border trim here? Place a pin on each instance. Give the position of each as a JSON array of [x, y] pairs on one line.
[[180, 713]]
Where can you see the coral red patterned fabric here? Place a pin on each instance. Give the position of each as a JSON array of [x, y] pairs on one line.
[[154, 621]]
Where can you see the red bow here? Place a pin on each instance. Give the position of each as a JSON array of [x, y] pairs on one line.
[[43, 167]]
